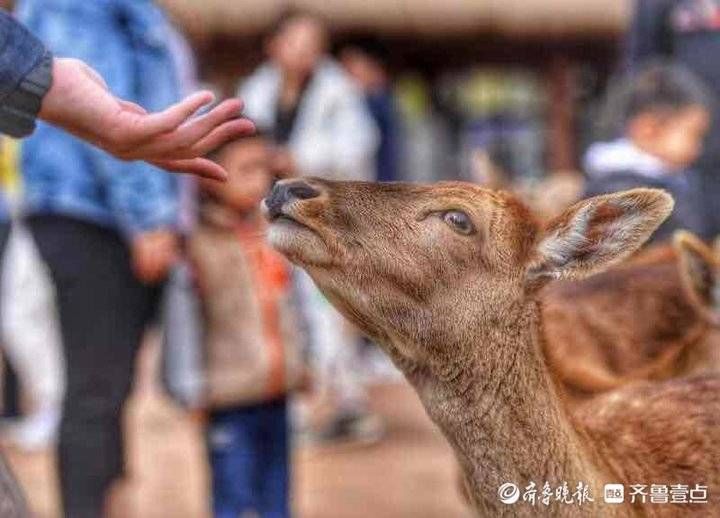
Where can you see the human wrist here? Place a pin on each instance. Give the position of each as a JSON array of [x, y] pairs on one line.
[[62, 94]]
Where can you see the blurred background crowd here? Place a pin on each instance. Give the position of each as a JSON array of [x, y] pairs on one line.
[[553, 99]]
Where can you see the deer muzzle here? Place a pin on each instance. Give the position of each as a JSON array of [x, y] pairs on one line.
[[285, 193]]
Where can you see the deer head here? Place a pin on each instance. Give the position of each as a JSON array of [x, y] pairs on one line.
[[420, 268], [444, 277]]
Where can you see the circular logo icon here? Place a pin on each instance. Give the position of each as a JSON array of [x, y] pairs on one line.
[[509, 493]]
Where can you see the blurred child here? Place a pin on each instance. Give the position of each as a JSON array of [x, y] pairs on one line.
[[251, 361], [664, 115]]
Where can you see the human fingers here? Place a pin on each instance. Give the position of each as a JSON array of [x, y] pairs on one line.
[[226, 132], [202, 167], [189, 133], [156, 124], [175, 144]]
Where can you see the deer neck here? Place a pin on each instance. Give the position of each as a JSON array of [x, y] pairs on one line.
[[501, 413]]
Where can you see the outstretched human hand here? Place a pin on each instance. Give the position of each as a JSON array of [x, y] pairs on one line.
[[80, 102]]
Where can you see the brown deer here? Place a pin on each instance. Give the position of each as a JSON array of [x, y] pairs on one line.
[[652, 317], [445, 277]]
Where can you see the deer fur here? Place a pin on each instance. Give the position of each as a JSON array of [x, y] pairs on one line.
[[458, 314], [651, 318]]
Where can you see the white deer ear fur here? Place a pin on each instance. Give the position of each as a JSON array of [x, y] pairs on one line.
[[596, 233], [699, 269]]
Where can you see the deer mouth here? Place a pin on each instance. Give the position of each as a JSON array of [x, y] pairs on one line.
[[294, 231], [295, 239], [284, 219], [287, 225]]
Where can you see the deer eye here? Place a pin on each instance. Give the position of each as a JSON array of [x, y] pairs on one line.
[[459, 222]]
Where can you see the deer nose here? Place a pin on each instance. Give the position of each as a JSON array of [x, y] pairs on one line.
[[287, 191]]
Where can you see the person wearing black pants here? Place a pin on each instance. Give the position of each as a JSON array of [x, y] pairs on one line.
[[106, 230], [124, 42], [104, 310]]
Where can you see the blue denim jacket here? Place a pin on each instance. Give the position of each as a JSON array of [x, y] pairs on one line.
[[125, 41], [20, 53]]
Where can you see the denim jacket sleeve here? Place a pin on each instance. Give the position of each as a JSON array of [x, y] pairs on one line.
[[25, 77], [124, 41], [142, 196]]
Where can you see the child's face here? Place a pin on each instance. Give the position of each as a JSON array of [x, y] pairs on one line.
[[676, 139], [248, 164]]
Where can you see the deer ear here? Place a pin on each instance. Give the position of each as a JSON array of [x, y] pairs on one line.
[[597, 232], [698, 268]]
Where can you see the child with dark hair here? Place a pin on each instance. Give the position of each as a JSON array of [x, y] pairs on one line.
[[663, 115], [688, 32], [251, 362]]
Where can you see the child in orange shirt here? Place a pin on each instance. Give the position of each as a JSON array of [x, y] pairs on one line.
[[250, 356]]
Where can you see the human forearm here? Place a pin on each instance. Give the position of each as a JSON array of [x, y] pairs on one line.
[[71, 95], [81, 103]]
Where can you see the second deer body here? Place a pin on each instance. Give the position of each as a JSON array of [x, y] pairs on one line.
[[647, 319]]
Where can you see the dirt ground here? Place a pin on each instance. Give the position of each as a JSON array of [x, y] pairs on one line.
[[410, 473]]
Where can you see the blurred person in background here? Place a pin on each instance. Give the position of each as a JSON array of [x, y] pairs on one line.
[[105, 229], [250, 349], [318, 119], [12, 500], [365, 59], [10, 385], [309, 105], [30, 334], [688, 32], [665, 113]]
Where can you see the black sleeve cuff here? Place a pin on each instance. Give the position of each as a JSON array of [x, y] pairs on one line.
[[20, 108]]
